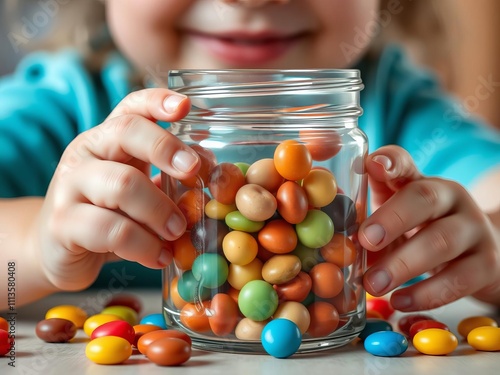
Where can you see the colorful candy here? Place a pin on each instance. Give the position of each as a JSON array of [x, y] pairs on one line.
[[281, 338], [4, 324], [69, 312], [386, 344], [380, 305], [154, 319], [258, 300], [425, 324], [486, 338], [148, 338], [118, 328], [406, 321], [55, 330], [124, 312], [5, 342], [108, 350], [468, 324], [168, 351], [96, 320], [374, 325], [435, 341]]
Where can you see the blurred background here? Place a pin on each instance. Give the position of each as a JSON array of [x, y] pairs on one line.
[[469, 66]]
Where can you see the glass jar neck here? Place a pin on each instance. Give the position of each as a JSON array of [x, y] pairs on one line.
[[262, 97]]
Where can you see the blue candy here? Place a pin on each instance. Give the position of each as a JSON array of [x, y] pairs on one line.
[[155, 319], [281, 338], [374, 325], [386, 344]]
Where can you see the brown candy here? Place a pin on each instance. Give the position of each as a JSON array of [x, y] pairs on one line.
[[55, 330]]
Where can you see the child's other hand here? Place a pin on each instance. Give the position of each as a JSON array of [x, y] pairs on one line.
[[102, 205], [425, 225]]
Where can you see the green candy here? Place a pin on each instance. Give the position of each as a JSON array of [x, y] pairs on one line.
[[191, 289], [308, 257], [315, 230], [235, 220], [210, 269], [243, 167], [258, 300]]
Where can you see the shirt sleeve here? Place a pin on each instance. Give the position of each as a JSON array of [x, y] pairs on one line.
[[407, 107], [45, 104]]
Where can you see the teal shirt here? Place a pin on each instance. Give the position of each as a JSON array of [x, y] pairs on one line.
[[51, 98]]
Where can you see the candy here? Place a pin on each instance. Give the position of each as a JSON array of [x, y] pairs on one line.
[[5, 342], [322, 145], [236, 221], [320, 187], [278, 236], [108, 350], [248, 329], [324, 319], [258, 300], [217, 210], [425, 324], [141, 329], [124, 312], [340, 251], [4, 324], [210, 270], [486, 338], [296, 289], [374, 325], [184, 252], [343, 213], [191, 204], [148, 338], [207, 235], [281, 269], [55, 330], [73, 313], [386, 344], [189, 288], [468, 324], [95, 321], [435, 341], [239, 276], [169, 351], [380, 305], [406, 321], [223, 314], [292, 202], [281, 338], [255, 203], [195, 317], [118, 328], [264, 173], [316, 230], [292, 160], [327, 280], [154, 319], [239, 247], [128, 300], [296, 312], [225, 181]]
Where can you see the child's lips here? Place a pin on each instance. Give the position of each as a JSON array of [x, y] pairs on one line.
[[246, 49]]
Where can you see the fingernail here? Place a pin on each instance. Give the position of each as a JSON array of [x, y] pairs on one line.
[[384, 161], [401, 302], [165, 257], [184, 161], [374, 234], [176, 224], [379, 280], [172, 102]]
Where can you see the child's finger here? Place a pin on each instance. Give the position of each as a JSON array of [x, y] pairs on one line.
[[122, 187], [153, 104], [389, 169]]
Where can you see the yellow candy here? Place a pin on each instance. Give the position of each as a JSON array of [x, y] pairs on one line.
[[108, 350], [72, 313], [239, 247], [126, 313], [97, 320], [435, 341], [217, 210], [467, 325], [485, 338]]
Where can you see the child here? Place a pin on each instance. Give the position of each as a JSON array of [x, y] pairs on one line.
[[84, 139]]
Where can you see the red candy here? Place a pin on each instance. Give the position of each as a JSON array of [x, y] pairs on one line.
[[4, 342], [380, 305], [426, 324], [119, 328], [407, 321]]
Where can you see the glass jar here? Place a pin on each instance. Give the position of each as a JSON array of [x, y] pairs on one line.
[[274, 210]]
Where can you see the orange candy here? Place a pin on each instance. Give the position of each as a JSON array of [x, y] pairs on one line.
[[327, 280], [141, 329], [184, 252], [225, 181], [195, 317], [292, 202], [224, 314], [191, 203], [292, 160], [340, 251], [278, 236], [324, 319], [322, 145], [4, 324], [146, 339]]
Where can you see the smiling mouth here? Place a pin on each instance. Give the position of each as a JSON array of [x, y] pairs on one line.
[[246, 49]]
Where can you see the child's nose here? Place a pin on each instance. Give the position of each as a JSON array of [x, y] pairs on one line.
[[255, 3]]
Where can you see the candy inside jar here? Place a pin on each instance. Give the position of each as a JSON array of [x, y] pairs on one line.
[[272, 216]]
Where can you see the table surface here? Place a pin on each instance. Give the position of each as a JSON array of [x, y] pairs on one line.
[[34, 356]]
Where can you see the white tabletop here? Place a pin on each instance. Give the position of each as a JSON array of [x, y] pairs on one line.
[[34, 356]]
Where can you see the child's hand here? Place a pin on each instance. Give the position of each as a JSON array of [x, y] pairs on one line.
[[102, 205], [426, 225]]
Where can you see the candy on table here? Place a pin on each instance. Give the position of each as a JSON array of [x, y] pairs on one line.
[[119, 328], [124, 312], [4, 324], [108, 350], [386, 344], [73, 313], [468, 324], [380, 305], [425, 324], [5, 342], [124, 299], [141, 329], [154, 319], [55, 330], [281, 338], [485, 338], [169, 351], [435, 341], [373, 325], [96, 320], [405, 322], [148, 338]]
